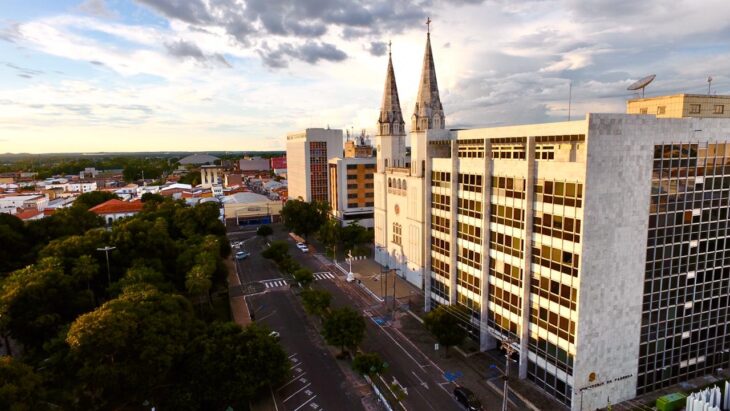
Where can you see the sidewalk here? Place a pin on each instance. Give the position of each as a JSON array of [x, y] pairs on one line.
[[239, 308], [481, 371]]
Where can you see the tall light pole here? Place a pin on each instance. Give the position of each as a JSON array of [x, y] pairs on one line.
[[106, 250], [509, 350]]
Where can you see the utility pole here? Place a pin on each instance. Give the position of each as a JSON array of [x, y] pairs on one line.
[[106, 250], [509, 350]]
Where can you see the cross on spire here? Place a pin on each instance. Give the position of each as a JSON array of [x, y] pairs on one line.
[[428, 25], [390, 49]]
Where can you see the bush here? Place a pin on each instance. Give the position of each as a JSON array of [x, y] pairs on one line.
[[368, 364]]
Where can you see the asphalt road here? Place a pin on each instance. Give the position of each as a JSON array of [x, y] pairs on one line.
[[426, 387], [317, 383]]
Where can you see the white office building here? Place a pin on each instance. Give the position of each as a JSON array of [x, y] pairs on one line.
[[596, 247]]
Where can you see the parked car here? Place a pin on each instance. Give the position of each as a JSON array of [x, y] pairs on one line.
[[242, 255], [303, 247], [467, 399], [275, 335]]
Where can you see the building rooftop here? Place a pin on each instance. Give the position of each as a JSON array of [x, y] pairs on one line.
[[28, 214], [245, 198], [198, 159], [115, 206]]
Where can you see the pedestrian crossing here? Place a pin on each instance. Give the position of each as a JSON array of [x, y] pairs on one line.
[[324, 276], [275, 283]]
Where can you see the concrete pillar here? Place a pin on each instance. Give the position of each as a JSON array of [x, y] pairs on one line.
[[427, 234], [454, 249], [527, 271], [486, 340]]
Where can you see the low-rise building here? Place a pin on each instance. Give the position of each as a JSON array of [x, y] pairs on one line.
[[251, 209], [114, 209], [248, 164]]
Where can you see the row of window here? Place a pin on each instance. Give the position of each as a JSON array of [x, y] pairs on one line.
[[470, 257], [441, 179], [509, 216], [556, 259], [470, 208], [554, 291], [556, 226], [468, 281], [506, 244], [508, 187], [441, 268], [441, 224], [398, 183], [441, 202], [355, 166], [470, 182], [440, 246], [469, 232]]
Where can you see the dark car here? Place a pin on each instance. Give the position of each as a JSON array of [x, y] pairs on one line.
[[467, 399]]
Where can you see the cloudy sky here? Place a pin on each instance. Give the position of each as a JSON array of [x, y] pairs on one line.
[[134, 75]]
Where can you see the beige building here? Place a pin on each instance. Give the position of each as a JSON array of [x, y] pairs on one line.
[[596, 247], [352, 189], [251, 209], [681, 105], [307, 154]]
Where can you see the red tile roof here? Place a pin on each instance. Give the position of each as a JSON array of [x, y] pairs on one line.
[[117, 206], [28, 214]]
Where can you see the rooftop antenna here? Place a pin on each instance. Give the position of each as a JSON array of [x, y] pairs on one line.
[[570, 97], [709, 84], [641, 84]]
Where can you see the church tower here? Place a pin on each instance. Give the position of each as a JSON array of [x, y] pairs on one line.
[[390, 137], [428, 113]]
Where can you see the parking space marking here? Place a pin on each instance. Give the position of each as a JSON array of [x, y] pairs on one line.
[[292, 380], [305, 403], [298, 391]]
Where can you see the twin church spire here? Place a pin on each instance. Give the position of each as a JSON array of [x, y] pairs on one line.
[[428, 113]]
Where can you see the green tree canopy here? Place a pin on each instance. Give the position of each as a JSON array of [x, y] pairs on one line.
[[303, 276], [368, 363], [124, 351], [37, 301], [228, 366], [15, 244], [344, 327], [316, 302], [304, 218], [264, 231], [277, 251], [444, 325], [21, 388]]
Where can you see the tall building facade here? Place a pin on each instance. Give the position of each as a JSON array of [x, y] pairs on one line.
[[352, 189], [595, 247], [308, 153]]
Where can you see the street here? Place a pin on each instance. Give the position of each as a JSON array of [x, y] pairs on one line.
[[422, 379], [317, 382]]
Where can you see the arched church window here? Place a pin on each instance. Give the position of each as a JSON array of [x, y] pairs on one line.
[[398, 185], [390, 181], [404, 184]]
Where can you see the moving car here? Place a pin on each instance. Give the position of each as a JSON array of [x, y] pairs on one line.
[[303, 247], [242, 255], [467, 399]]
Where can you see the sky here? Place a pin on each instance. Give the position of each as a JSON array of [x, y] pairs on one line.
[[237, 75]]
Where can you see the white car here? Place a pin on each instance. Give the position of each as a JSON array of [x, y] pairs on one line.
[[275, 335], [242, 255], [303, 247]]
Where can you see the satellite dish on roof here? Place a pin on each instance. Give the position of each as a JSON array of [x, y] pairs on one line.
[[641, 84]]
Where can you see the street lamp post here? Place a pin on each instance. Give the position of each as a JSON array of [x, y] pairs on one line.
[[509, 349], [106, 250]]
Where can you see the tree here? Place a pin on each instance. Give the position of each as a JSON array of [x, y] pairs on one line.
[[228, 366], [368, 364], [303, 276], [264, 231], [37, 301], [344, 327], [277, 251], [445, 326], [21, 388], [316, 302], [330, 233], [304, 218], [124, 351], [354, 236], [15, 244], [93, 199], [152, 197], [288, 265]]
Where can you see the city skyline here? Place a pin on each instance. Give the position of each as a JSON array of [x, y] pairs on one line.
[[96, 75]]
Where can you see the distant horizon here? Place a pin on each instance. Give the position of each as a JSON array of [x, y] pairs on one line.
[[94, 153]]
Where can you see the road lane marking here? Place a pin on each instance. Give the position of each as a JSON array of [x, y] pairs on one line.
[[423, 383], [295, 365], [292, 355], [305, 403], [298, 391], [291, 381]]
